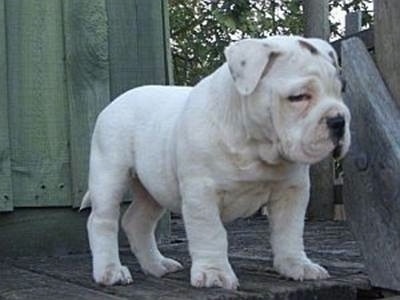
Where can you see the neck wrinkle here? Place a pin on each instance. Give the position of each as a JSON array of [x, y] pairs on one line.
[[238, 130], [229, 106]]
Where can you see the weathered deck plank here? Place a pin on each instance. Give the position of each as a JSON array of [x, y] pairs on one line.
[[329, 243], [372, 166], [21, 284]]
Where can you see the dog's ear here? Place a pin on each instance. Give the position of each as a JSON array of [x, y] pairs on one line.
[[248, 61], [325, 49]]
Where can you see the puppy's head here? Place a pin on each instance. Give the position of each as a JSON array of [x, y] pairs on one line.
[[293, 91]]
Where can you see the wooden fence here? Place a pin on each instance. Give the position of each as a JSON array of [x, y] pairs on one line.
[[372, 167], [61, 61]]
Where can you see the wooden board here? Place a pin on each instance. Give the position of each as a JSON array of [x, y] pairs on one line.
[[6, 196], [321, 193], [87, 68], [367, 36], [123, 47], [316, 18], [56, 231], [328, 243], [258, 280], [21, 284], [37, 103], [387, 37], [372, 168], [169, 79], [151, 42], [137, 44]]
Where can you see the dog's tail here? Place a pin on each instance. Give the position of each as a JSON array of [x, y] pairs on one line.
[[85, 201]]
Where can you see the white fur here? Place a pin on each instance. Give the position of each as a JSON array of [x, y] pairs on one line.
[[214, 153]]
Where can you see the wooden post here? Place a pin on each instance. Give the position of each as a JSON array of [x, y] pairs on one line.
[[169, 72], [316, 22], [372, 167], [387, 43], [353, 22], [316, 14], [353, 26], [5, 163]]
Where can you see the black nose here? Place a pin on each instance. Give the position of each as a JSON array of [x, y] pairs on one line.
[[336, 126]]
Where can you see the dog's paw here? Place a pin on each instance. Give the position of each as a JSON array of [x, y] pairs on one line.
[[161, 267], [113, 274], [213, 277], [300, 269]]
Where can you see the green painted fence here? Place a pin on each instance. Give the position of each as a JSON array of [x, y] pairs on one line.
[[61, 61]]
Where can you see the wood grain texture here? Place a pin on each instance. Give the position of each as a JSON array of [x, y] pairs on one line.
[[353, 22], [6, 195], [22, 284], [137, 44], [316, 18], [321, 193], [87, 68], [59, 80], [123, 48], [367, 36], [328, 243], [37, 103], [372, 167], [387, 37], [56, 231], [151, 43], [169, 79]]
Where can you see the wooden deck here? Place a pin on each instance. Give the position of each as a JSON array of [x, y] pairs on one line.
[[69, 277]]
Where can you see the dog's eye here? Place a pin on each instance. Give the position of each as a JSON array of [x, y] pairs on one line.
[[300, 97]]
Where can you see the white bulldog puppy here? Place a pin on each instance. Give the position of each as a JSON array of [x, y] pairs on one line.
[[242, 138]]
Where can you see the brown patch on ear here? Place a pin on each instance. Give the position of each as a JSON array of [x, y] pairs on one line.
[[271, 60], [309, 47]]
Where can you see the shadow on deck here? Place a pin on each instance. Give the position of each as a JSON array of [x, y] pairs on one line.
[[69, 277]]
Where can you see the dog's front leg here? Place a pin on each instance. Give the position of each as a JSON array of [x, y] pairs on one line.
[[207, 237], [286, 215]]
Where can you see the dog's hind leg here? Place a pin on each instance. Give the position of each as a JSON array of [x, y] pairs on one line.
[[139, 223], [107, 184]]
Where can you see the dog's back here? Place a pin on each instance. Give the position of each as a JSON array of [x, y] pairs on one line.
[[136, 129]]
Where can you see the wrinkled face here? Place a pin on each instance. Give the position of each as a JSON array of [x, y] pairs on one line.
[[297, 98]]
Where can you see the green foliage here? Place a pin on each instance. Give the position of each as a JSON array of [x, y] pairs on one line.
[[201, 29], [351, 6]]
